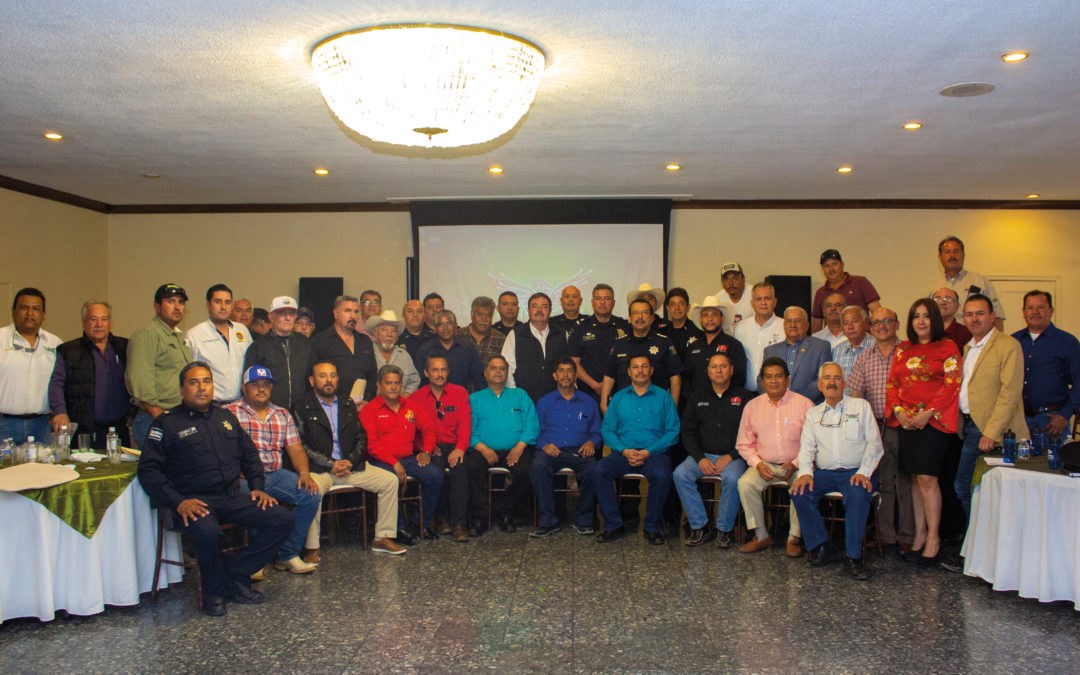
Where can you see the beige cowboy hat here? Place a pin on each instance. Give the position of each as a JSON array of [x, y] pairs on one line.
[[710, 301], [386, 317], [646, 289]]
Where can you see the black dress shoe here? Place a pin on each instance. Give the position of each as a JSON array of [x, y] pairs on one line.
[[855, 570], [405, 538], [544, 531], [430, 533], [506, 524], [611, 535], [820, 556], [243, 594], [654, 538], [697, 537], [213, 605], [724, 539], [475, 531]]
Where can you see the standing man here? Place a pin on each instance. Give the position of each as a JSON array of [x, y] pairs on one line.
[[699, 350], [260, 322], [488, 342], [531, 350], [655, 297], [508, 312], [190, 463], [768, 442], [305, 322], [639, 427], [803, 354], [948, 303], [590, 346], [27, 359], [869, 377], [1051, 367], [383, 331], [447, 405], [642, 341], [681, 328], [272, 431], [241, 312], [736, 304], [504, 429], [838, 453], [433, 304], [855, 289], [463, 359], [857, 341], [156, 355], [336, 446], [370, 305], [416, 331], [833, 330], [354, 358], [220, 343], [283, 352], [710, 426], [965, 282], [87, 385], [991, 394], [764, 329], [571, 316], [569, 438]]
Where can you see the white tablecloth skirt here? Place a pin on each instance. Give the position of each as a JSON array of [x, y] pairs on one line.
[[1024, 534], [48, 566]]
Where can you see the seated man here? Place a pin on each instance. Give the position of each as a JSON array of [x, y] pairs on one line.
[[569, 436], [839, 452], [391, 422], [768, 440], [640, 425], [271, 429], [447, 404], [710, 425], [336, 446], [190, 463], [504, 428]]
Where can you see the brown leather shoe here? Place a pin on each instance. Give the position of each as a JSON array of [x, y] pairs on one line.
[[444, 527], [260, 575], [755, 545], [461, 534], [793, 548], [311, 555], [386, 545], [903, 548]]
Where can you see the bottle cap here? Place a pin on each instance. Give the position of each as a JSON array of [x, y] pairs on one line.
[[29, 439]]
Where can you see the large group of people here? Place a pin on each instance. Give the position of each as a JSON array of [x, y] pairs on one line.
[[234, 418]]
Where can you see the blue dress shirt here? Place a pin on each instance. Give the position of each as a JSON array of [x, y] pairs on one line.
[[568, 423], [1051, 370], [646, 422], [501, 422]]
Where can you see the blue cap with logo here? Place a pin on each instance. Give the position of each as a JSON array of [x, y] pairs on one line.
[[255, 373]]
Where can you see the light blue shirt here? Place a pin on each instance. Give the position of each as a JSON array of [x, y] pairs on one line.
[[646, 422], [502, 421], [331, 410]]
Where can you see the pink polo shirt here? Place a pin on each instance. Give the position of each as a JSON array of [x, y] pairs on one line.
[[771, 431]]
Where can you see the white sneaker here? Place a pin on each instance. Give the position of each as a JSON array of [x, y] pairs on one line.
[[295, 565]]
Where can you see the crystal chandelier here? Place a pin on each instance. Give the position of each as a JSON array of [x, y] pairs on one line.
[[428, 85]]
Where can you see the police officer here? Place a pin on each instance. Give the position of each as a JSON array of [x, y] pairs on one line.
[[590, 344], [192, 458], [642, 341], [697, 349]]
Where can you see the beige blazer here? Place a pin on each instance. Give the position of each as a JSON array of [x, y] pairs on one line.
[[996, 387]]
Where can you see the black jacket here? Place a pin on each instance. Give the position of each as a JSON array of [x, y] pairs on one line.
[[318, 438], [358, 364], [290, 370], [80, 377]]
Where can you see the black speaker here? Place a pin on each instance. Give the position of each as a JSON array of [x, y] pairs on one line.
[[791, 289], [317, 294], [412, 278]]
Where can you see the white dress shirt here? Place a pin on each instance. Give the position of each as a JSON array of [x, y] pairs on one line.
[[833, 340], [842, 437], [755, 339], [509, 350], [972, 356], [25, 371], [225, 357]]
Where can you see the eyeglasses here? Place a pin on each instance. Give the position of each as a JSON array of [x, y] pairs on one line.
[[371, 303], [882, 322], [944, 300], [839, 419]]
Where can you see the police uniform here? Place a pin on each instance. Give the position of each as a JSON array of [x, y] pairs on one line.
[[568, 325], [696, 352], [592, 342], [656, 346], [193, 454]]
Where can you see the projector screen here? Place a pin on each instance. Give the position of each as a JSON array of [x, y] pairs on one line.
[[461, 262]]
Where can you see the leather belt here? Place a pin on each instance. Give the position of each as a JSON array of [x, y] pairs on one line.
[[29, 416], [1032, 412]]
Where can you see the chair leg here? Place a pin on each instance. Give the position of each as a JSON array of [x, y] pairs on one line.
[[490, 520], [158, 563]]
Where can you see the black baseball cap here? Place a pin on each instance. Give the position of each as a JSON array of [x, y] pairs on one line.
[[829, 254], [167, 290]]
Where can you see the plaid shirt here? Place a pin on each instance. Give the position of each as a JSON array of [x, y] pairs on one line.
[[845, 355], [490, 346], [870, 375], [271, 436]]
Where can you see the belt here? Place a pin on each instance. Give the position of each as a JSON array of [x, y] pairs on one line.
[[28, 416], [1032, 412]]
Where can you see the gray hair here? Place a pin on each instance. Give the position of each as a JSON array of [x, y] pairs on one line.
[[821, 368], [390, 369], [345, 298], [444, 314], [90, 303], [855, 308], [763, 284], [483, 302], [797, 309]]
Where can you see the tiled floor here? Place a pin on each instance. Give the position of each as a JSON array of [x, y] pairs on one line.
[[507, 603]]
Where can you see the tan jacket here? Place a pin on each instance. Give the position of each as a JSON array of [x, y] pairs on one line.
[[996, 386]]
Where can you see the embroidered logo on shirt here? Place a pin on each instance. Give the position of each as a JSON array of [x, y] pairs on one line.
[[186, 432], [410, 416], [239, 336], [225, 423], [620, 333], [736, 400], [720, 349], [692, 340]]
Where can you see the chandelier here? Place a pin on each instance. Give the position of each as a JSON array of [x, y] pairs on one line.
[[428, 85]]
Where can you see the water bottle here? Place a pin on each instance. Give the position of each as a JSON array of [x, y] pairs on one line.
[[28, 451], [1038, 444], [7, 453], [1023, 450], [1008, 447], [112, 446], [63, 444], [1053, 453]]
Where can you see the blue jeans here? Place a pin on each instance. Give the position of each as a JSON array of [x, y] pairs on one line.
[[686, 476], [18, 429], [281, 485], [140, 427], [969, 454], [656, 469], [543, 470], [431, 480], [856, 509]]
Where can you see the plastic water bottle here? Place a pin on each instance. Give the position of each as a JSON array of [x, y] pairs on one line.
[[1038, 444], [7, 453], [112, 446], [1023, 450], [1053, 453], [1008, 447], [28, 451], [63, 444]]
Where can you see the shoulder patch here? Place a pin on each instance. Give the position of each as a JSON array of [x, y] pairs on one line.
[[155, 434]]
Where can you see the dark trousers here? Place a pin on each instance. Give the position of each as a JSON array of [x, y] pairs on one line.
[[431, 480], [455, 493], [512, 502], [542, 473], [268, 530], [656, 469]]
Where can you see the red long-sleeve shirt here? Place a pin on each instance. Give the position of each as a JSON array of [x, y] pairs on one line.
[[454, 425], [391, 435]]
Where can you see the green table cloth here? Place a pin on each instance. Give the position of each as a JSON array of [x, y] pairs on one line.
[[82, 503], [1040, 464]]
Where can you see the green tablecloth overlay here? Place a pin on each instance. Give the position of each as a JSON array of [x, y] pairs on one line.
[[1040, 464], [82, 503]]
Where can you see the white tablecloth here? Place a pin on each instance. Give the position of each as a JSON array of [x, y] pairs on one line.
[[1024, 534], [48, 566]]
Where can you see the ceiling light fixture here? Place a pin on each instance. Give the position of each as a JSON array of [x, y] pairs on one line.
[[1033, 196], [672, 167], [322, 172], [152, 176], [428, 85], [967, 89], [496, 169], [53, 136], [1013, 57], [845, 169], [911, 126]]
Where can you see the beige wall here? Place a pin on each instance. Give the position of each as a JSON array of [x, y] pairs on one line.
[[61, 250]]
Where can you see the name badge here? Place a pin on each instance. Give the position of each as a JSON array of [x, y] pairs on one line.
[[187, 432]]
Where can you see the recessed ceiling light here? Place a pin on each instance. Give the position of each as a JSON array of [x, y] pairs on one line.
[[1033, 196], [322, 172], [967, 89], [151, 175], [672, 167], [913, 125], [1012, 57], [496, 169], [53, 136], [845, 169]]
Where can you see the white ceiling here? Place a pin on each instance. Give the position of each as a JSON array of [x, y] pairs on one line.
[[756, 100]]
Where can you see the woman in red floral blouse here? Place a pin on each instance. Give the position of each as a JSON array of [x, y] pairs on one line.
[[922, 396]]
